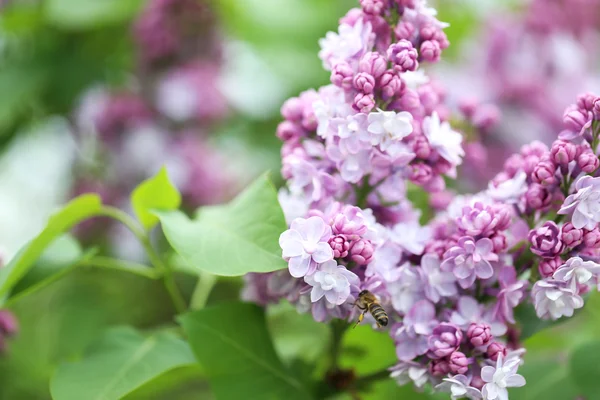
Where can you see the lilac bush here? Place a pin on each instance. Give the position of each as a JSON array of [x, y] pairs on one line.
[[352, 153]]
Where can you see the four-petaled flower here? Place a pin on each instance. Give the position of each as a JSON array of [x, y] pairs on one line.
[[459, 388], [470, 259], [387, 127], [584, 204], [332, 281], [503, 376], [305, 245]]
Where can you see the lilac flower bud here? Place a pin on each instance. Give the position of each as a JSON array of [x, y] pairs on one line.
[[545, 240], [596, 109], [494, 350], [288, 130], [390, 84], [349, 222], [571, 236], [361, 251], [591, 239], [544, 173], [430, 51], [479, 334], [499, 242], [436, 184], [292, 109], [364, 82], [428, 32], [459, 364], [342, 75], [477, 382], [538, 197], [575, 119], [373, 64], [403, 55], [549, 265], [588, 161], [404, 30], [439, 367], [364, 103], [562, 152], [420, 173], [421, 147], [373, 7], [586, 101], [440, 200], [340, 246], [444, 340], [409, 101], [514, 164]]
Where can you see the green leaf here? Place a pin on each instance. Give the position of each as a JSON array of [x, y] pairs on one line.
[[233, 239], [155, 193], [585, 370], [231, 341], [75, 211], [89, 13], [63, 255], [120, 362]]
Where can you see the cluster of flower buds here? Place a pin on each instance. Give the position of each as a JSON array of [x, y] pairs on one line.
[[167, 119], [450, 287]]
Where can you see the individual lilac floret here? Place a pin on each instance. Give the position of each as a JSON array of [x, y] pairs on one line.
[[545, 240], [361, 252], [509, 191], [411, 236], [571, 236], [469, 311], [411, 336], [349, 222], [482, 220], [553, 299], [498, 379], [588, 161], [584, 204], [458, 387], [512, 292], [444, 340], [469, 260], [332, 281], [441, 137], [495, 350], [438, 284], [459, 363], [407, 288], [339, 245], [305, 245], [576, 271], [351, 42], [387, 127], [405, 372]]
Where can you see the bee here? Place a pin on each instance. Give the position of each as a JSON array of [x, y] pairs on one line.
[[368, 302]]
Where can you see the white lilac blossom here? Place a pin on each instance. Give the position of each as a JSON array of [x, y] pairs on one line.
[[499, 378], [584, 204], [305, 245], [458, 387], [450, 285], [442, 138]]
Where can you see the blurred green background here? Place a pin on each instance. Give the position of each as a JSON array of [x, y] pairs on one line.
[[53, 50]]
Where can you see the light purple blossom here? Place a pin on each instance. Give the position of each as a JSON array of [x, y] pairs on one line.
[[576, 271], [411, 236], [407, 289], [351, 42], [438, 284], [458, 387], [545, 240], [385, 263], [447, 142], [553, 299], [405, 372], [332, 281], [584, 204], [483, 220], [411, 337], [509, 191], [469, 311], [469, 260], [499, 378], [512, 292], [305, 245]]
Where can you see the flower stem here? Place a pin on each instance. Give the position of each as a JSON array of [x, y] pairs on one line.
[[338, 328], [202, 290], [155, 259]]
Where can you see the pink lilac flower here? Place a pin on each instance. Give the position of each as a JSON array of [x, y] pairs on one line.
[[479, 334], [444, 340], [545, 240], [332, 281], [482, 220], [584, 204], [305, 245], [411, 336], [470, 259], [499, 378]]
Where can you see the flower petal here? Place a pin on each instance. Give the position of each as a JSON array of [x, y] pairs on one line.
[[323, 253], [299, 266], [290, 242], [487, 373], [515, 381]]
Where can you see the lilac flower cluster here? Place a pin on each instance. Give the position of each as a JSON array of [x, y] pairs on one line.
[[165, 120], [351, 149]]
